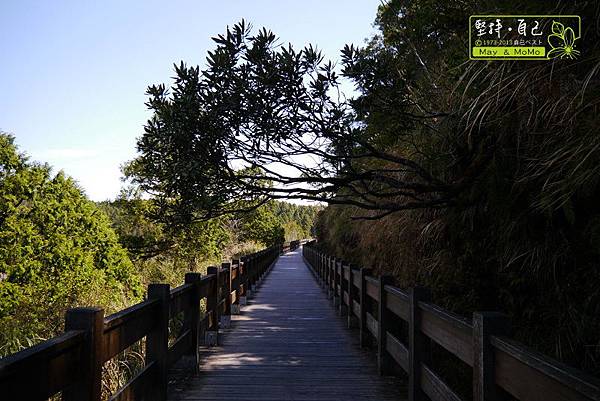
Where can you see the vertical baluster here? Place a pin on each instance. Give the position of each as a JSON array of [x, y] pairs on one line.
[[191, 318], [418, 344], [383, 358], [364, 331], [90, 320], [157, 341], [485, 325], [211, 337], [352, 318], [336, 282], [343, 311], [225, 320]]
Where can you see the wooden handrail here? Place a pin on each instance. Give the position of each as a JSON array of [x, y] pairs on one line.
[[40, 371], [72, 362], [481, 343]]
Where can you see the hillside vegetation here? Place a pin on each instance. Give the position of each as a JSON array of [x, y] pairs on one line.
[[518, 143], [163, 253], [59, 250]]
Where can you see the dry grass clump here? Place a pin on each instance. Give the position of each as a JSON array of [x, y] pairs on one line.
[[522, 235]]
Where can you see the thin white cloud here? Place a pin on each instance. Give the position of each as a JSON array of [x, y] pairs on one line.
[[64, 154]]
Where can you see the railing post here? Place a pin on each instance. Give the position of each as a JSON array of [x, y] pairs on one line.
[[258, 265], [323, 270], [248, 267], [417, 343], [191, 317], [329, 262], [332, 270], [343, 287], [485, 325], [321, 259], [257, 272], [352, 319], [243, 280], [211, 337], [226, 316], [238, 287], [383, 358], [157, 341], [248, 275], [364, 331], [251, 275], [90, 320], [324, 274], [235, 305], [336, 282], [262, 260]]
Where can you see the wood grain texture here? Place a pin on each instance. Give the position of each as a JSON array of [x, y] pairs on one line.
[[181, 298], [435, 388], [497, 361], [289, 344], [128, 326], [397, 302], [528, 375], [139, 386], [372, 287], [448, 330], [397, 350], [60, 356]]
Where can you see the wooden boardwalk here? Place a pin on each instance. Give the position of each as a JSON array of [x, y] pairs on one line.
[[288, 344]]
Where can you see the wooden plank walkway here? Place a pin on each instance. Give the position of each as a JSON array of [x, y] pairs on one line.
[[289, 344]]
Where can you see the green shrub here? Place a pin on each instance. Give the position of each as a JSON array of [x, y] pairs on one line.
[[57, 251]]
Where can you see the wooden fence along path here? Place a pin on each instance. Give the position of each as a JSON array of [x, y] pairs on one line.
[[72, 363], [405, 326], [290, 343]]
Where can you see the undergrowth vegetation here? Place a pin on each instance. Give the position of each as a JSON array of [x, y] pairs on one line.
[[59, 250], [518, 141]]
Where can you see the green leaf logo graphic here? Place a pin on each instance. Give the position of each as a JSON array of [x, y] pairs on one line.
[[562, 41], [558, 28]]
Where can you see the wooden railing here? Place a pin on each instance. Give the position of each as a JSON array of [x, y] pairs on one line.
[[498, 363], [72, 363], [293, 245]]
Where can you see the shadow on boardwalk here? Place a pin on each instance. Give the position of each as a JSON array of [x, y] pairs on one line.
[[288, 344]]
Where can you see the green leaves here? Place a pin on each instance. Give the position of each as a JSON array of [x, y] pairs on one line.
[[57, 250], [255, 105], [558, 28]]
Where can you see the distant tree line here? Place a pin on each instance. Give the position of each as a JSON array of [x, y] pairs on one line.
[[60, 250]]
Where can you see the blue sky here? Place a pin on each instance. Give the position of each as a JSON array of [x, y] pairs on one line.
[[73, 73]]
